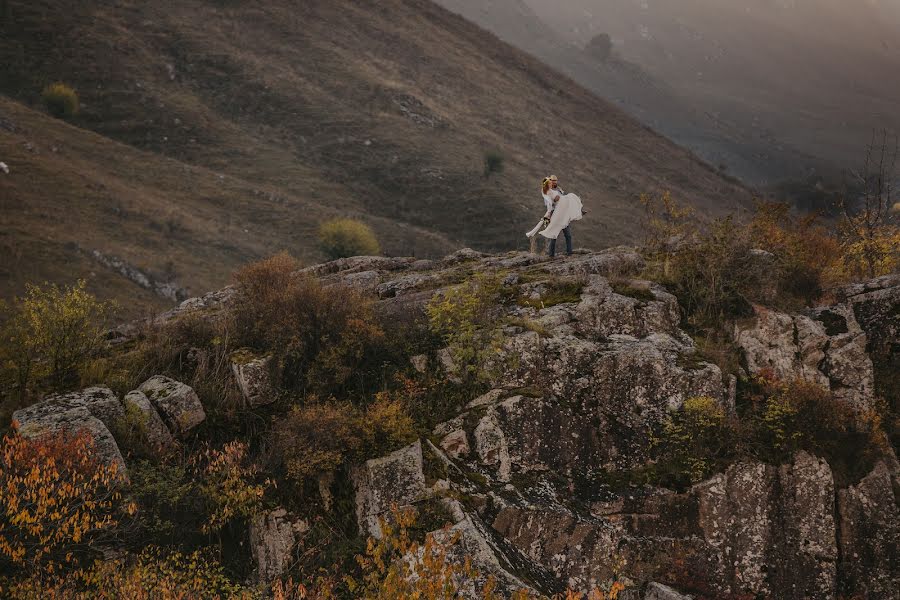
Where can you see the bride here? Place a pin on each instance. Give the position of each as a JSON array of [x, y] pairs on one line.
[[562, 209]]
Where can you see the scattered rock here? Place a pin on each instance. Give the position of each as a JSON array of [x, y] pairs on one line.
[[253, 378], [176, 402], [658, 591], [158, 435], [273, 536]]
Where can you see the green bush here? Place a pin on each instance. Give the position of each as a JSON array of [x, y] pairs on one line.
[[493, 162], [341, 238], [51, 333], [465, 316], [696, 439], [61, 100]]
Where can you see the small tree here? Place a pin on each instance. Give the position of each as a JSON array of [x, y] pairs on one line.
[[493, 162], [52, 332], [61, 100], [341, 238], [870, 233]]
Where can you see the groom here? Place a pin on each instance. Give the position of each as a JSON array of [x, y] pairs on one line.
[[554, 185]]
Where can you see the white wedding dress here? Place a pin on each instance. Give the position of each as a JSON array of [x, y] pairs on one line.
[[567, 209]]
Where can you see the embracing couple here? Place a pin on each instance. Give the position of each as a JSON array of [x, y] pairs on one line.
[[562, 209]]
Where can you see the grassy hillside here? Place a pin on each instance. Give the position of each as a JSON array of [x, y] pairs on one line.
[[280, 114], [71, 192]]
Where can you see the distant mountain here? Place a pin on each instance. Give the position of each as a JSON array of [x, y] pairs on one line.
[[799, 83], [255, 121]]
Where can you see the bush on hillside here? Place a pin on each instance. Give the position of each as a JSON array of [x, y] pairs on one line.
[[323, 339], [317, 438], [807, 255], [696, 439], [600, 47], [154, 574], [60, 100], [342, 238]]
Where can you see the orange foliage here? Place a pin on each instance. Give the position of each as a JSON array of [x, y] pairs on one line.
[[56, 499]]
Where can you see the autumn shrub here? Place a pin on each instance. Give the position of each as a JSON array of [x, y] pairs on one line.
[[226, 483], [317, 438], [466, 317], [396, 566], [153, 574], [696, 440], [806, 253], [60, 100], [342, 238], [57, 501], [323, 339], [50, 334]]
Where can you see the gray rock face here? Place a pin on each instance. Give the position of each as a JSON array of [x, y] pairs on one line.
[[870, 534], [273, 536], [158, 435], [827, 347], [756, 530], [176, 402], [252, 376], [92, 411]]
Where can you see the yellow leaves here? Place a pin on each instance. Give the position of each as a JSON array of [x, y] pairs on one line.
[[226, 485]]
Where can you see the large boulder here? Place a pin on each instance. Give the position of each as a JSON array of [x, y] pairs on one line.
[[176, 402], [93, 411]]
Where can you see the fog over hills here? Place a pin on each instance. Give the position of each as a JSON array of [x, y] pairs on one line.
[[770, 91], [803, 82]]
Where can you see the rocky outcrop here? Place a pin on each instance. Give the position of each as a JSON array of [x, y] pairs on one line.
[[176, 402], [273, 536]]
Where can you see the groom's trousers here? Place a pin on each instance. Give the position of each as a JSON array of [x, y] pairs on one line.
[[568, 234]]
